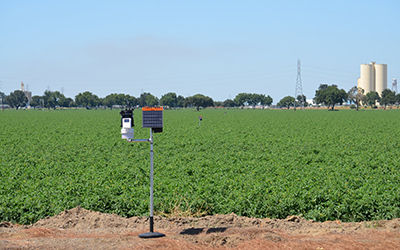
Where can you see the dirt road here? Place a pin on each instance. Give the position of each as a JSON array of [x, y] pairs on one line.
[[79, 228]]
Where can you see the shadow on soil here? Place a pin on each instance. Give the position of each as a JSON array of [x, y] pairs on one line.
[[195, 231]]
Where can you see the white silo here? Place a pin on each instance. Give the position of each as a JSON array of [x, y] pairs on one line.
[[380, 78], [367, 77]]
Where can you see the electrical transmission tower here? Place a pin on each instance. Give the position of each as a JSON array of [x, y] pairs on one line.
[[394, 85], [299, 86]]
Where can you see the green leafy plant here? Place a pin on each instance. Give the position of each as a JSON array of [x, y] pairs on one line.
[[259, 163]]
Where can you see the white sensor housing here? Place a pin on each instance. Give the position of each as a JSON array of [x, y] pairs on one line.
[[127, 130], [126, 123]]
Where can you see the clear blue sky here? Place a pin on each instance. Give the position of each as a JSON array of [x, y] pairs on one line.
[[217, 48]]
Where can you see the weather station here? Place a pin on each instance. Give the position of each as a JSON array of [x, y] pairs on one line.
[[152, 117]]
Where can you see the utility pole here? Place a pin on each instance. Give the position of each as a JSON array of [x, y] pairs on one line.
[[299, 85]]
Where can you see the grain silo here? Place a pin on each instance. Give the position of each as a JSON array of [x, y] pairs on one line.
[[373, 77], [380, 78], [367, 77]]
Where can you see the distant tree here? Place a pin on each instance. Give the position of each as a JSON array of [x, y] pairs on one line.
[[351, 95], [170, 99], [2, 97], [65, 102], [72, 102], [36, 101], [52, 98], [398, 100], [364, 100], [253, 99], [371, 98], [130, 101], [301, 101], [330, 95], [110, 100], [102, 102], [82, 99], [180, 101], [286, 102], [17, 99], [124, 100], [99, 101], [266, 100], [48, 100], [360, 97], [188, 102], [87, 99], [198, 101], [147, 99], [241, 99], [320, 98], [356, 96], [94, 101], [120, 99], [388, 98], [229, 103]]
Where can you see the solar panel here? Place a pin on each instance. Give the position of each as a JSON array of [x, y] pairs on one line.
[[152, 117]]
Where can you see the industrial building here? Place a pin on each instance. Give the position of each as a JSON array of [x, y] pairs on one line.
[[373, 77]]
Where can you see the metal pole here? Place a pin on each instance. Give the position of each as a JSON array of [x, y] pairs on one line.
[[150, 234], [151, 181]]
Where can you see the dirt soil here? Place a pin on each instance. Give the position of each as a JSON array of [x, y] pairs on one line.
[[79, 228]]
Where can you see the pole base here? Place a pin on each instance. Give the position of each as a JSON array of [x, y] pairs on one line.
[[151, 235]]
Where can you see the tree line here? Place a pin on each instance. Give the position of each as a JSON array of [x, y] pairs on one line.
[[331, 95], [54, 99], [327, 95]]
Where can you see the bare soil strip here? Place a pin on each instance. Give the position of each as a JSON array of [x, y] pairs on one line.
[[79, 228]]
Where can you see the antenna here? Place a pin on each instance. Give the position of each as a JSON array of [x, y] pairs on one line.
[[299, 85], [394, 85]]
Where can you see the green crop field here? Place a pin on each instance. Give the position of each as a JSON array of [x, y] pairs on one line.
[[263, 163]]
